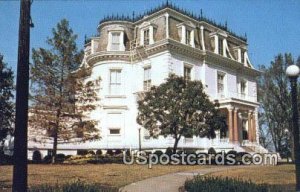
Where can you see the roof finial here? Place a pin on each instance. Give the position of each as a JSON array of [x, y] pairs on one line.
[[167, 3], [201, 13], [226, 25], [133, 15]]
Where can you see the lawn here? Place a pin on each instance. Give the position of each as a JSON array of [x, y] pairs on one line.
[[283, 175], [116, 175]]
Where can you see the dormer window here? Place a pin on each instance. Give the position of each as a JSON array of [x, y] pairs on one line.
[[188, 37], [186, 33], [116, 40], [147, 33], [146, 37], [221, 46]]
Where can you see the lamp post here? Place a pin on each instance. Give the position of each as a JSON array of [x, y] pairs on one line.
[[293, 72]]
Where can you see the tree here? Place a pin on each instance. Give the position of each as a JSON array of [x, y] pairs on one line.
[[179, 108], [274, 96], [6, 96], [60, 103]]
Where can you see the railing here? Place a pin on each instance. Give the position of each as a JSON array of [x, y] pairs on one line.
[[236, 95]]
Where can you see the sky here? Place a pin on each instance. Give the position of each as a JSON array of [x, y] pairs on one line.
[[272, 26]]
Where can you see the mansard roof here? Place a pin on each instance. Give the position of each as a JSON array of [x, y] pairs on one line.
[[200, 18]]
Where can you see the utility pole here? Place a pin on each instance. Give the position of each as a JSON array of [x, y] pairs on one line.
[[20, 141]]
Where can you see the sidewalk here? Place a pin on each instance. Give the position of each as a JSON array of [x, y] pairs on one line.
[[171, 182]]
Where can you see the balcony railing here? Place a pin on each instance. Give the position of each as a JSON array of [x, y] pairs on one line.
[[236, 95]]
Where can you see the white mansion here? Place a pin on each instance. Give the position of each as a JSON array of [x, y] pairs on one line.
[[132, 54]]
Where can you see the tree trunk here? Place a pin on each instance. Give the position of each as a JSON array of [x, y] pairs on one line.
[[54, 147], [292, 149], [176, 144], [55, 137]]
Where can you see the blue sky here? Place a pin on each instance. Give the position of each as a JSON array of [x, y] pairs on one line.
[[272, 26]]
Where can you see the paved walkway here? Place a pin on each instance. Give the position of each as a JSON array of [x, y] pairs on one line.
[[171, 182]]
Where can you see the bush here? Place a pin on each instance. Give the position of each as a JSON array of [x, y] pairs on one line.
[[82, 152], [99, 152], [212, 151], [37, 157], [59, 158], [110, 152], [158, 153], [118, 152], [47, 159], [91, 153], [77, 186], [6, 159], [218, 184], [169, 151]]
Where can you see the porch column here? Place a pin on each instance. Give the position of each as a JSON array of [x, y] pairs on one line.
[[230, 125], [254, 127], [235, 126], [250, 130]]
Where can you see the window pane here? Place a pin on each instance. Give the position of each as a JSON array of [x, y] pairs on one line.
[[221, 83], [146, 37], [115, 82], [187, 36], [114, 131], [187, 73], [116, 38]]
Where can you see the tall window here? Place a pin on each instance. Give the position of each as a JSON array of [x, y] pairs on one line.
[[188, 37], [146, 37], [187, 72], [221, 84], [114, 122], [115, 41], [245, 129], [147, 78], [115, 81], [243, 88], [220, 46], [242, 56]]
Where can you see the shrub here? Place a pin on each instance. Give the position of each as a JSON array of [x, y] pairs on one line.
[[82, 152], [59, 158], [99, 152], [6, 160], [212, 151], [47, 159], [91, 153], [169, 151], [37, 157], [218, 184], [76, 186], [118, 152], [110, 152], [158, 153]]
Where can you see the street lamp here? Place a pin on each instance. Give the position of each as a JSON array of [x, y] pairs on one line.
[[293, 72]]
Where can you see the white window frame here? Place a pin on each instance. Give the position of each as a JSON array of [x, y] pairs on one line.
[[121, 47], [114, 128], [190, 67], [115, 84], [243, 94], [183, 29], [223, 93], [147, 78], [147, 26]]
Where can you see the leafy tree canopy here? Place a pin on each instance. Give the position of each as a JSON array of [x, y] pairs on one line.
[[179, 108], [6, 96]]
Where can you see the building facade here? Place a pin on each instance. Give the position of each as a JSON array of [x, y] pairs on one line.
[[131, 55]]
